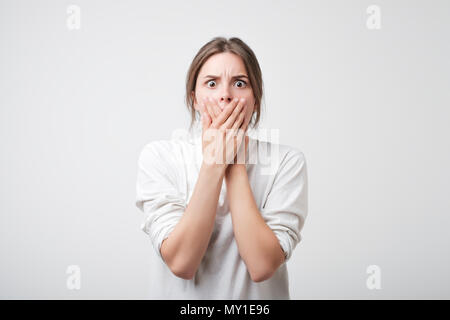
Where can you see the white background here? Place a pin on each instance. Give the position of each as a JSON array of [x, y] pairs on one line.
[[368, 108]]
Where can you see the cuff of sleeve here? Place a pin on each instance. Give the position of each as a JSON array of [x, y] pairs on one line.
[[285, 244]]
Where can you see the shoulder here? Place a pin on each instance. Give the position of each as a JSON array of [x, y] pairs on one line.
[[164, 150], [161, 156], [154, 148], [290, 152], [279, 155]]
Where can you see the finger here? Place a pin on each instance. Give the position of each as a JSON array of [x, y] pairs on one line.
[[235, 133], [240, 154], [235, 148], [246, 122], [244, 126], [207, 108], [235, 114], [236, 125], [239, 120], [214, 106], [227, 111], [210, 113], [206, 120], [246, 142], [240, 135]]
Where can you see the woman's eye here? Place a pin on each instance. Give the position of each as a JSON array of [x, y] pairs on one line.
[[238, 83], [243, 83], [210, 81]]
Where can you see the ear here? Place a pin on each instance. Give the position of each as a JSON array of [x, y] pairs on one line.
[[194, 101]]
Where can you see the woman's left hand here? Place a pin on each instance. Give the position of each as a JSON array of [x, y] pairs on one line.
[[242, 158]]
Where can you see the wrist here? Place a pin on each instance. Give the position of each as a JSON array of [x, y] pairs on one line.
[[236, 168], [214, 169]]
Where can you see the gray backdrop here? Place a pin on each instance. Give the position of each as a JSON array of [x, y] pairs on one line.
[[363, 92]]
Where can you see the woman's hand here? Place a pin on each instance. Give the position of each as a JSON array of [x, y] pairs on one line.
[[241, 155], [221, 131]]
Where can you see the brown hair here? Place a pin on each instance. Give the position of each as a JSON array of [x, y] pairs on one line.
[[238, 47]]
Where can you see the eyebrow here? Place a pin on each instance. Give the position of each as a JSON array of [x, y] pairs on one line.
[[235, 77]]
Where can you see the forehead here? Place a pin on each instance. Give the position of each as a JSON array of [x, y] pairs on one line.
[[225, 63]]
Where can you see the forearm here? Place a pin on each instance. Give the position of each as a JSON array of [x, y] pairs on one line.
[[184, 249], [257, 244]]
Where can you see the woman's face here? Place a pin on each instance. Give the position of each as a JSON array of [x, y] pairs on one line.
[[223, 77]]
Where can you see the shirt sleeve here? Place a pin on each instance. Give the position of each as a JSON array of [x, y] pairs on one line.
[[157, 193], [286, 206]]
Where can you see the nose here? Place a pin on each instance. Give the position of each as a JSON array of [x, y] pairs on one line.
[[225, 98]]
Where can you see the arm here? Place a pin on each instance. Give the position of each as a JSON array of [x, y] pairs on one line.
[[184, 249], [258, 246]]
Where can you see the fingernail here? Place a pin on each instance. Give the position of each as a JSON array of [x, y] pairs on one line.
[[242, 99]]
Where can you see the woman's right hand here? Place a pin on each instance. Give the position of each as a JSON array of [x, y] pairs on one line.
[[220, 131]]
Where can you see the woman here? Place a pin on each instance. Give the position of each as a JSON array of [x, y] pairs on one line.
[[222, 229]]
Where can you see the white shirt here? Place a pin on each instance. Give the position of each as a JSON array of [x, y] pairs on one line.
[[167, 174]]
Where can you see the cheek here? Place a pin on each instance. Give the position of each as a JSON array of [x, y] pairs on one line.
[[199, 99], [248, 113]]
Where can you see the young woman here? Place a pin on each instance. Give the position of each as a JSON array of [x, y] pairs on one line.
[[222, 229]]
